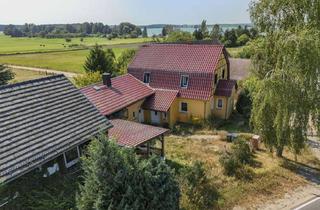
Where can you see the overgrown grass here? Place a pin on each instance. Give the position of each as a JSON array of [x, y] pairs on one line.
[[70, 61], [24, 75], [270, 179]]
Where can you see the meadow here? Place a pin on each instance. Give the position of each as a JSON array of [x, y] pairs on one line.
[[12, 45], [70, 61]]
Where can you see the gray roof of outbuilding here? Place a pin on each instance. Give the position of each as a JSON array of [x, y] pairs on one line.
[[39, 120]]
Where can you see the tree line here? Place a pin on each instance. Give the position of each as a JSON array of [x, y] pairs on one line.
[[125, 29], [234, 37]]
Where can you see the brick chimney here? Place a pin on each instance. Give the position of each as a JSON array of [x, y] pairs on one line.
[[106, 78]]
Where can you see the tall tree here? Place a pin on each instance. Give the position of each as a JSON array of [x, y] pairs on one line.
[[216, 32], [145, 32], [115, 178], [286, 64], [99, 60], [204, 29], [124, 60], [5, 75]]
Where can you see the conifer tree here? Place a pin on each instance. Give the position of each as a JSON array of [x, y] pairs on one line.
[[115, 178], [100, 60]]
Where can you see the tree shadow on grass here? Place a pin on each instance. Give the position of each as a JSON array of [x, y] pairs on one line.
[[309, 173], [175, 165]]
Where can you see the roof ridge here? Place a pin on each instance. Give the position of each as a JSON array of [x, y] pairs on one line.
[[31, 81], [164, 89]]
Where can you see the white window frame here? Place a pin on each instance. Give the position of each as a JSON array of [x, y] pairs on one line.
[[144, 77], [73, 162], [218, 107], [181, 107], [181, 80]]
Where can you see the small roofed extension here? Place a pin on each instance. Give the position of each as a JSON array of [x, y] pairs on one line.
[[199, 73]]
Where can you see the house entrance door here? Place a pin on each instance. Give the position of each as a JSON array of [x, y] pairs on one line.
[[141, 115], [155, 117]]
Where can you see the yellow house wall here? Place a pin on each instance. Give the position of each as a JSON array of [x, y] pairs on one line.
[[197, 109], [134, 108], [227, 106]]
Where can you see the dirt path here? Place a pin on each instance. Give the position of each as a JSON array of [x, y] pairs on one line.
[[49, 71]]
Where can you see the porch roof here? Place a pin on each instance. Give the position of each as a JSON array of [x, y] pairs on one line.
[[132, 134], [161, 100]]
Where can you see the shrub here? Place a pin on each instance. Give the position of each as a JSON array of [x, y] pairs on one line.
[[68, 40], [235, 162], [230, 164], [241, 151], [87, 79], [200, 193]]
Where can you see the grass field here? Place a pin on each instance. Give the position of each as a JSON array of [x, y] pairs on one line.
[[24, 75], [9, 45], [70, 61], [272, 176]]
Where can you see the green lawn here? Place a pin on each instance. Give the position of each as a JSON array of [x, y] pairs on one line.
[[70, 61], [9, 45]]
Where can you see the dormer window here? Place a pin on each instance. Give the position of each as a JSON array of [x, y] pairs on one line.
[[184, 81], [146, 77]]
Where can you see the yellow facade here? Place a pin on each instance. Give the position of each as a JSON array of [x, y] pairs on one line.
[[133, 111]]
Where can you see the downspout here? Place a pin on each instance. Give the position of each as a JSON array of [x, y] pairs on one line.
[[226, 109]]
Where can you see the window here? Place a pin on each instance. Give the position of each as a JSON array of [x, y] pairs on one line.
[[183, 107], [134, 114], [184, 81], [146, 78], [164, 116], [155, 113], [223, 73], [215, 79], [220, 104], [71, 157]]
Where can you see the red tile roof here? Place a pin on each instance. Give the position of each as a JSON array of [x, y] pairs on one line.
[[161, 100], [125, 91], [132, 134], [199, 88], [167, 62], [178, 57], [225, 87]]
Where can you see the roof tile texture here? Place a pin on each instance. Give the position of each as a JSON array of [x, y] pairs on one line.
[[132, 134], [125, 91], [225, 87], [161, 100], [41, 119], [166, 63]]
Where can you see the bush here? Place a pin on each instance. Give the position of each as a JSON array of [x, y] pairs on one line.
[[68, 40], [241, 151], [235, 162], [201, 194], [87, 79]]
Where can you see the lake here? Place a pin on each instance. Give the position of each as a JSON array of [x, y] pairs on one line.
[[157, 31]]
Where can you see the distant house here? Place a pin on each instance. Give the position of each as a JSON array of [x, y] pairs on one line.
[[169, 83], [44, 122]]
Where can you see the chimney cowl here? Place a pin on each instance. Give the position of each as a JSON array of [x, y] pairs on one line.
[[106, 78]]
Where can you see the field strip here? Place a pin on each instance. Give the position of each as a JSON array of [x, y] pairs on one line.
[[49, 71], [108, 46]]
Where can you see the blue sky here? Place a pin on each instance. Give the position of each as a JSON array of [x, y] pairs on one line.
[[116, 11]]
